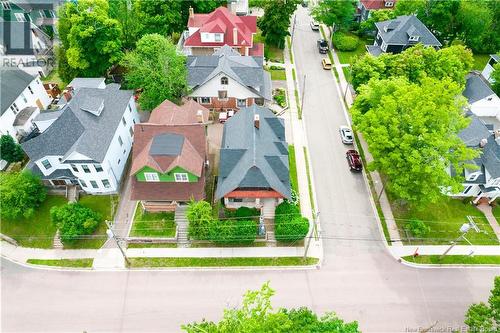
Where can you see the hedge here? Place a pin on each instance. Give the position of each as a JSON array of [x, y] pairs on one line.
[[231, 231], [293, 229], [344, 42]]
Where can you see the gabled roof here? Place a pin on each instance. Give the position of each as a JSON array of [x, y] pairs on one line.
[[223, 21], [377, 4], [252, 158], [400, 28], [13, 81], [168, 113], [86, 82], [491, 157], [246, 70], [76, 130], [476, 88], [474, 133]]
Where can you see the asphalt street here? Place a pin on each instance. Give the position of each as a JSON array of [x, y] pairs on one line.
[[359, 280]]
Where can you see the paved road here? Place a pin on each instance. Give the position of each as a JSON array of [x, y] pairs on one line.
[[359, 280]]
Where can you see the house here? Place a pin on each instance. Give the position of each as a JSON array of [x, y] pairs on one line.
[[238, 7], [365, 6], [483, 181], [169, 157], [396, 35], [253, 168], [22, 98], [209, 32], [87, 141], [483, 102], [227, 80], [488, 69]]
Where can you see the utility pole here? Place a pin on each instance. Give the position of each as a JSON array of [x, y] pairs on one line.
[[293, 27], [303, 91], [463, 229], [315, 216], [111, 234]]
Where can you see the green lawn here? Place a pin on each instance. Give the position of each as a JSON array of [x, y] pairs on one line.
[[153, 224], [347, 73], [149, 245], [273, 53], [474, 260], [278, 74], [496, 211], [220, 262], [309, 181], [289, 44], [87, 262], [53, 77], [348, 57], [37, 231], [293, 169], [105, 205], [480, 61], [445, 218]]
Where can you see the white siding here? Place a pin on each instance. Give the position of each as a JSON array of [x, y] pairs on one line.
[[487, 107], [233, 88]]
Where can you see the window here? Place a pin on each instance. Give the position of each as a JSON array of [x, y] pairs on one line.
[[20, 17], [389, 3], [94, 184], [131, 131], [119, 160], [414, 38], [85, 168], [242, 103], [129, 108], [24, 98], [467, 189], [224, 80], [151, 176], [75, 169], [384, 46], [98, 167], [106, 183], [218, 37], [124, 122], [222, 94], [204, 100], [120, 141], [31, 90], [6, 5], [46, 164], [14, 108], [181, 177], [133, 120], [82, 183]]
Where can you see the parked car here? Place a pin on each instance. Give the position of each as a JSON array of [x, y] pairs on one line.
[[322, 46], [326, 63], [354, 160], [314, 25], [346, 135]]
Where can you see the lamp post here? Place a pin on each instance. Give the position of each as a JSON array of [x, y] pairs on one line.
[[111, 234], [463, 229]]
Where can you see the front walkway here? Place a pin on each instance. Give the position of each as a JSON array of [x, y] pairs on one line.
[[488, 212]]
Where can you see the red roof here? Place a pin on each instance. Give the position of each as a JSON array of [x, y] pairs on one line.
[[168, 113], [223, 21], [253, 194], [377, 4]]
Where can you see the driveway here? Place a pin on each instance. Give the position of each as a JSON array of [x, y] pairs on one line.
[[359, 279]]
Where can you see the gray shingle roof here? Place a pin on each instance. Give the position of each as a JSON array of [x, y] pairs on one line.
[[57, 174], [81, 131], [248, 157], [246, 70], [169, 144], [476, 88], [474, 133], [400, 28], [48, 115], [12, 83], [491, 157], [23, 115], [86, 82]]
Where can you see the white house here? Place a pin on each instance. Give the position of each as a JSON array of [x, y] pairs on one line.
[[483, 101], [22, 98], [86, 142], [238, 7], [488, 69]]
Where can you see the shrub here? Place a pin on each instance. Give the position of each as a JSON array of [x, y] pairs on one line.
[[291, 229], [286, 211], [418, 228], [9, 150], [199, 215], [74, 220], [231, 231], [344, 42], [243, 212], [20, 194], [277, 68], [280, 100]]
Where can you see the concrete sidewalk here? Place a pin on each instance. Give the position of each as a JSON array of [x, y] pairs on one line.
[[408, 250]]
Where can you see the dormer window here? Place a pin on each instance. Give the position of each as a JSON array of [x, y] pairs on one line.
[[224, 80], [389, 3], [414, 38], [218, 37]]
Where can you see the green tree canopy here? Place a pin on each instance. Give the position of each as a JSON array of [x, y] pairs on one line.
[[74, 220], [483, 317], [257, 315], [376, 16], [276, 20], [411, 130], [199, 215], [157, 68], [91, 40], [20, 194], [496, 76], [339, 14], [9, 150]]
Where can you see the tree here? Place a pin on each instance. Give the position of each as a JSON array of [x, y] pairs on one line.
[[411, 130], [123, 12], [159, 17], [418, 228], [411, 7], [9, 150], [476, 25], [20, 194], [74, 220], [495, 75], [380, 15], [276, 20], [256, 315], [91, 40], [199, 215], [157, 68], [483, 317], [339, 14]]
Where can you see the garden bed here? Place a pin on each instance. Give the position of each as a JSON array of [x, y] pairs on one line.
[[147, 224], [279, 96], [221, 262]]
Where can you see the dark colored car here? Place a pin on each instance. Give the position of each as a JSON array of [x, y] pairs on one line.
[[322, 46], [354, 160]]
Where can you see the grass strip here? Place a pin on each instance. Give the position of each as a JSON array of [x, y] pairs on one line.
[[149, 245], [309, 182], [86, 263], [293, 168], [455, 259], [278, 74], [221, 262], [289, 44]]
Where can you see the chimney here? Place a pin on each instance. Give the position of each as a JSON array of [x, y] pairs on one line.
[[497, 136], [483, 143], [191, 12], [256, 121], [199, 116], [235, 35]]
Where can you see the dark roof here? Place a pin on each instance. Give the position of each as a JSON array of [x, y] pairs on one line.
[[57, 174], [400, 28], [476, 87], [169, 144], [13, 81], [474, 133], [48, 115], [23, 116], [252, 158], [496, 57], [80, 131], [246, 70], [491, 157], [374, 50]]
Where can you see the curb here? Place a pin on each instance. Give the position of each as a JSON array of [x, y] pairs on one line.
[[446, 266]]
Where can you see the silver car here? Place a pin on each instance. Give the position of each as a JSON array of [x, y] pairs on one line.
[[314, 25], [346, 135]]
